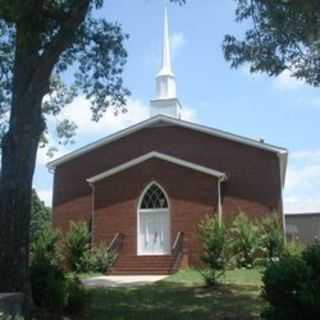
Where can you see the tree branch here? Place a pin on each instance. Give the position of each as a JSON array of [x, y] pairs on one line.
[[65, 35]]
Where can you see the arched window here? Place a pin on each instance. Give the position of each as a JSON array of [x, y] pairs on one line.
[[154, 198]]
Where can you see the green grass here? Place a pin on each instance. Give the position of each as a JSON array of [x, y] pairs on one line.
[[84, 276], [191, 277], [181, 296]]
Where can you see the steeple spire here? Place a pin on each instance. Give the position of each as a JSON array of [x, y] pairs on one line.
[[166, 67], [166, 101]]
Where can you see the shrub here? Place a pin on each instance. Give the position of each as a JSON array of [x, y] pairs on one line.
[[293, 248], [311, 296], [244, 241], [212, 236], [98, 259], [272, 236], [47, 278], [76, 293], [52, 289], [76, 244], [291, 286]]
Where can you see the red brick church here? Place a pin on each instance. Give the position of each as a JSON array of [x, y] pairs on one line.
[[149, 185]]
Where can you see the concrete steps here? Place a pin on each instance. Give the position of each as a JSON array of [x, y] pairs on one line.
[[127, 265]]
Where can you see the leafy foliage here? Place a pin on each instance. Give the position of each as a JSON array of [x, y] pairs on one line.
[[283, 35], [272, 236], [76, 244], [52, 288], [98, 259], [293, 248], [213, 238], [47, 278], [76, 294], [291, 286], [244, 241], [79, 256], [40, 217]]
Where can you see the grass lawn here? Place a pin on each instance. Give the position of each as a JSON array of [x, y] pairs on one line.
[[181, 296]]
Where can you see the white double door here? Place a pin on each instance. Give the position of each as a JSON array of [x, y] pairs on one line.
[[154, 233]]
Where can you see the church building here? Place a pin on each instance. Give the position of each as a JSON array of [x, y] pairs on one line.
[[145, 189]]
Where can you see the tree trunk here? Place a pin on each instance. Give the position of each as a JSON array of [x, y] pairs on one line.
[[19, 150]]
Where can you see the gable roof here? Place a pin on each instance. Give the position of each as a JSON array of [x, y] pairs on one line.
[[281, 152], [161, 156]]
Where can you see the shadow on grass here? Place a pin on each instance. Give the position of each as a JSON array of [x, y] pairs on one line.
[[166, 301]]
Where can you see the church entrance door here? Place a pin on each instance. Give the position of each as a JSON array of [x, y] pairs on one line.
[[154, 222]]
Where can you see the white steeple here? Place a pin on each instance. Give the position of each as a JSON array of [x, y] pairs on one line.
[[166, 101], [166, 67]]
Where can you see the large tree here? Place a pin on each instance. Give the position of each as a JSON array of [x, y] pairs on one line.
[[39, 41], [281, 35]]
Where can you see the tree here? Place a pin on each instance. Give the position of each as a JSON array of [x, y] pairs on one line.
[[283, 35], [39, 41], [40, 217]]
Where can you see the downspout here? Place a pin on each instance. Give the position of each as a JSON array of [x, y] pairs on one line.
[[220, 180], [281, 200], [92, 212]]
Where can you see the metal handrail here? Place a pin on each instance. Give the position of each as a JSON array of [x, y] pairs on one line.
[[177, 251], [116, 243]]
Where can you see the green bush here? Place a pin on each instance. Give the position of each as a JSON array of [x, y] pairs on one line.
[[52, 288], [76, 245], [272, 236], [293, 248], [47, 278], [291, 286], [76, 293], [212, 236], [244, 242], [311, 297], [98, 259]]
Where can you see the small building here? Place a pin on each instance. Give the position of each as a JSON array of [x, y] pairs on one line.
[[151, 184], [303, 227]]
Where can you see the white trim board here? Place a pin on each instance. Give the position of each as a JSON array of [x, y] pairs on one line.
[[161, 156], [172, 121]]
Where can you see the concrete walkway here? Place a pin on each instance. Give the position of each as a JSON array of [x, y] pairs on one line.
[[120, 281]]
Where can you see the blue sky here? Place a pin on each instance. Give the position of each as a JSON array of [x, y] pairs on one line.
[[281, 110]]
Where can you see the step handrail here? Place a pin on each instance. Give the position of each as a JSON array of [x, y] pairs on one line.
[[177, 252], [116, 243]]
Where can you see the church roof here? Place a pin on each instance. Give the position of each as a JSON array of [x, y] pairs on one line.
[[162, 119]]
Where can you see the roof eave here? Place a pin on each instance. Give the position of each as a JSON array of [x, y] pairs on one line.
[[244, 140]]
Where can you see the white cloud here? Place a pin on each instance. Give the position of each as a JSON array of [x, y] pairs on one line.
[[46, 196], [137, 111], [302, 192], [306, 155], [286, 82], [79, 112], [178, 41]]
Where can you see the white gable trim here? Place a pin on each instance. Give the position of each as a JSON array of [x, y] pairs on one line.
[[169, 120], [160, 156]]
